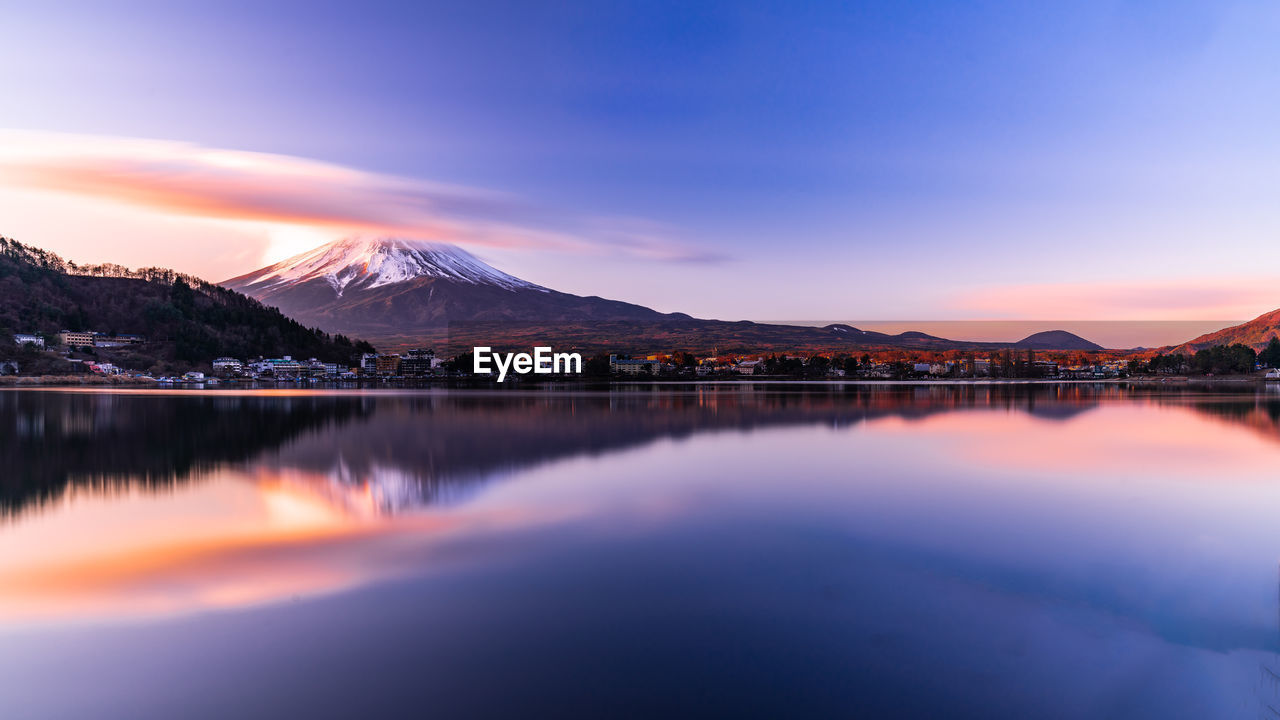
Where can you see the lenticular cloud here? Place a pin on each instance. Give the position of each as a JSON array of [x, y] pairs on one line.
[[188, 179]]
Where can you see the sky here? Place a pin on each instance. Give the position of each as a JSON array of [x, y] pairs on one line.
[[1093, 160]]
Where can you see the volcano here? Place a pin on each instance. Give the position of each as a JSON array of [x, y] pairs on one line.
[[382, 287], [398, 292]]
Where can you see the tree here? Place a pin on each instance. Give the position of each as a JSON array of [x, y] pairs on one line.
[[850, 366], [597, 366], [464, 364], [1226, 359], [186, 321], [1270, 355], [684, 359], [182, 296]]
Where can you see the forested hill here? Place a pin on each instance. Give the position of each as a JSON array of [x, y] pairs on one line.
[[187, 321]]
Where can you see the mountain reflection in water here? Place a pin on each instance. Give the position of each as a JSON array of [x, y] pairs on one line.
[[963, 550], [399, 450], [105, 441]]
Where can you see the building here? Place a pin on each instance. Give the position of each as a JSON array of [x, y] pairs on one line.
[[75, 338], [387, 365], [28, 339], [285, 367], [110, 341], [631, 366], [104, 369], [322, 369], [748, 367], [418, 362], [227, 366], [414, 367], [1046, 368], [369, 362]]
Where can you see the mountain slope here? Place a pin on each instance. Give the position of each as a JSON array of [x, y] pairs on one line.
[[401, 293], [384, 287], [1254, 333], [187, 320]]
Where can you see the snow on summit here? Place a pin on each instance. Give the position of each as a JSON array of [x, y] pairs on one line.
[[371, 262]]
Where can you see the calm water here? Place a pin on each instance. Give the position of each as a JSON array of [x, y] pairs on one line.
[[1032, 551]]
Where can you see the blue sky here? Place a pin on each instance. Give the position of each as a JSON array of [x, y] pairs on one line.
[[739, 160]]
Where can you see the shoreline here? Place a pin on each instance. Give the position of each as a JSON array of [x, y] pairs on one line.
[[114, 382]]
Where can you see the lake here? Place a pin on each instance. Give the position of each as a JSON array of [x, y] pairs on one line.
[[743, 550]]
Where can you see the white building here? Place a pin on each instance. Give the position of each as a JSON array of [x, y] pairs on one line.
[[227, 365], [27, 339], [276, 367]]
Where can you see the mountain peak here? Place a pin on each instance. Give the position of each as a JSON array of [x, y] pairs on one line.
[[1056, 340], [369, 262]]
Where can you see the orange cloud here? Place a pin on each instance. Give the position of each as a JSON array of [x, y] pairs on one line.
[[181, 178]]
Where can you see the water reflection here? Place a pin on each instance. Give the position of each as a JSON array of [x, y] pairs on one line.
[[984, 550], [110, 442], [383, 452]]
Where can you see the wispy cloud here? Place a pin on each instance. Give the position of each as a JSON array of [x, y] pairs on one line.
[[1207, 298], [180, 178]]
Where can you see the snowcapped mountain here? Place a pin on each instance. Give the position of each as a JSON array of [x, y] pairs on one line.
[[372, 262], [397, 292], [397, 289]]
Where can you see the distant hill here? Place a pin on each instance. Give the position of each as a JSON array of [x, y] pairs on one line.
[[1056, 340], [691, 334], [187, 321], [1254, 333]]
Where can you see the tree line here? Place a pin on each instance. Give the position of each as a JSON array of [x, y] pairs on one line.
[[186, 321]]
